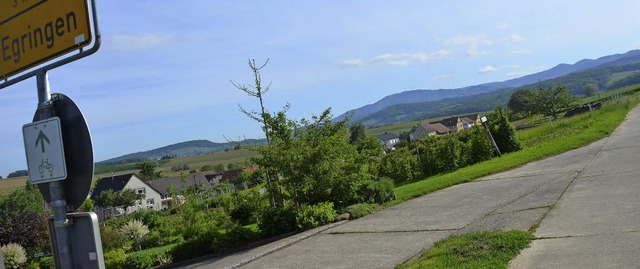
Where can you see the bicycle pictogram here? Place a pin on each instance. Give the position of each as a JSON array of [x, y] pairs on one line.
[[45, 165]]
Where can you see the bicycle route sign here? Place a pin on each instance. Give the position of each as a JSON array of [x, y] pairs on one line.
[[45, 151]]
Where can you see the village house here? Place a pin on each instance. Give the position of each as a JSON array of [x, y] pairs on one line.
[[444, 126], [167, 185], [389, 140], [151, 198]]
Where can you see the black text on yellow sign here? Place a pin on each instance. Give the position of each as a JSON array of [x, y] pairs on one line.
[[33, 32]]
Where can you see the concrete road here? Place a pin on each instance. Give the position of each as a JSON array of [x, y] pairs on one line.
[[585, 202]]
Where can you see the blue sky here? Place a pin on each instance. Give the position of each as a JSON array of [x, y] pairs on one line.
[[163, 73]]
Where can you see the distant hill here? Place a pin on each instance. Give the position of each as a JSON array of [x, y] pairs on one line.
[[421, 96], [183, 149], [607, 78]]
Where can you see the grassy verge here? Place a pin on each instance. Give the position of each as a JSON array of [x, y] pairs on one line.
[[473, 250], [540, 142]]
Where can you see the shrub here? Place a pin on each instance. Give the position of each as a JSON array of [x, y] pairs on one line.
[[236, 237], [14, 255], [134, 230], [192, 248], [115, 259], [111, 238], [139, 260], [277, 221], [360, 210], [151, 218], [376, 191], [400, 165], [311, 216], [47, 263], [478, 148], [503, 132]]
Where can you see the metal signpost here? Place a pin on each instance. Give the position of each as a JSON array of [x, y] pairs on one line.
[[495, 146], [57, 143]]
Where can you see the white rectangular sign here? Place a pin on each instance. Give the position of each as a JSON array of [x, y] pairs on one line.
[[45, 151]]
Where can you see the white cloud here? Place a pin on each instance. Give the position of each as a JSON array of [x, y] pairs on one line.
[[441, 54], [472, 42], [397, 58], [130, 42], [401, 58], [517, 38], [487, 69], [522, 52], [352, 63]]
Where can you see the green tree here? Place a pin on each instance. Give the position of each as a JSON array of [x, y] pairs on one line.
[[400, 165], [257, 90], [521, 101], [109, 198], [19, 173], [148, 171], [356, 133], [316, 161], [503, 132], [550, 101], [478, 148], [590, 89], [24, 221]]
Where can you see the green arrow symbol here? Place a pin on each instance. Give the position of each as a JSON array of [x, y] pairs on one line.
[[41, 139]]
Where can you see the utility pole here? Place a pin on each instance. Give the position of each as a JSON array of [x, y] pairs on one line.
[[495, 146]]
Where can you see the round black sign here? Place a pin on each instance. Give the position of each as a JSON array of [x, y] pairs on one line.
[[78, 152]]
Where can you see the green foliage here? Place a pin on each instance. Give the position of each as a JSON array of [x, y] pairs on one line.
[[134, 230], [207, 167], [356, 133], [111, 238], [139, 260], [478, 147], [14, 256], [521, 101], [18, 173], [550, 101], [503, 132], [474, 250], [148, 171], [192, 248], [401, 165], [590, 89], [109, 198], [48, 263], [440, 154], [234, 238], [376, 191], [87, 206], [357, 211], [315, 161], [246, 206], [23, 220], [276, 221], [115, 259], [311, 216]]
